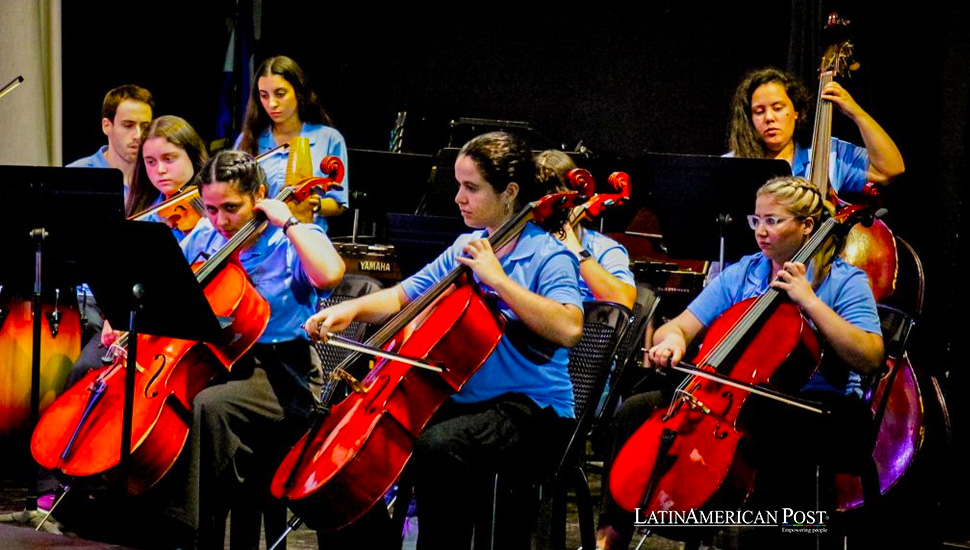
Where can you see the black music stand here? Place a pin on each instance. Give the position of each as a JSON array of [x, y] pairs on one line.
[[43, 212], [384, 182], [702, 201], [141, 292]]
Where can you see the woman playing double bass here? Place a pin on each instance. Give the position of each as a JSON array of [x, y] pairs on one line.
[[507, 415], [771, 118], [240, 426], [835, 297]]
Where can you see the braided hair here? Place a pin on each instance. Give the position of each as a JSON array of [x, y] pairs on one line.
[[803, 200], [235, 167], [502, 158]]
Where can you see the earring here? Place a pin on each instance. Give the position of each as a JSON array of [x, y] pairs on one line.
[[508, 208]]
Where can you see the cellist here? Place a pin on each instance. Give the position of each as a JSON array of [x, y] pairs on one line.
[[835, 297], [240, 425], [516, 409]]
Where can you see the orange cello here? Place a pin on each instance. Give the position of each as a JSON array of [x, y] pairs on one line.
[[80, 434], [60, 346], [355, 450], [686, 456]]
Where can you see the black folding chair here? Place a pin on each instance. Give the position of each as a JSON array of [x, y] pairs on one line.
[[604, 324]]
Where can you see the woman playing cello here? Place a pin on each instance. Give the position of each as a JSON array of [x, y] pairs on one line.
[[239, 426], [837, 300], [507, 415]]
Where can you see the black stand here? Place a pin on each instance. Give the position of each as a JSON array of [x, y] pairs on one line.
[[47, 209], [383, 182], [701, 201], [142, 292]]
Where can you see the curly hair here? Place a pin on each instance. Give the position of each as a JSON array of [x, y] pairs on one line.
[[308, 106], [502, 158], [804, 200], [743, 139]]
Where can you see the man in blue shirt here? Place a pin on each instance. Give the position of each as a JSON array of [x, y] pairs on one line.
[[125, 115]]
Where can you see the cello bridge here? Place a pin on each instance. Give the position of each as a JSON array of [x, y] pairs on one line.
[[355, 385], [692, 401]]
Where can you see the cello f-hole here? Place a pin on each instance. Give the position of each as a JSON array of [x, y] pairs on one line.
[[730, 402], [155, 376]]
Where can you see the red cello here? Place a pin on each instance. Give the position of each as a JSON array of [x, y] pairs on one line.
[[357, 449], [80, 434], [683, 457]]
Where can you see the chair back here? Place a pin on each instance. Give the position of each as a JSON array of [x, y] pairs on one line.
[[352, 286], [631, 347], [604, 324]]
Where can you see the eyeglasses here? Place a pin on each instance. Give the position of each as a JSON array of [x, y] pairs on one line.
[[770, 221]]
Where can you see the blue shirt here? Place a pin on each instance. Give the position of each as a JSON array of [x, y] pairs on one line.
[[324, 141], [848, 165], [609, 254], [276, 271], [524, 363], [96, 160], [846, 290]]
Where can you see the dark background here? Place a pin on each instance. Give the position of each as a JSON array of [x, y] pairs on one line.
[[656, 77]]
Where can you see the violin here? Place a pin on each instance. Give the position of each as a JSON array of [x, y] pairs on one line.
[[80, 434], [686, 456], [184, 209], [356, 449]]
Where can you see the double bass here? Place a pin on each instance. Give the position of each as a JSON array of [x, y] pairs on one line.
[[688, 455], [896, 398], [357, 448], [80, 434]]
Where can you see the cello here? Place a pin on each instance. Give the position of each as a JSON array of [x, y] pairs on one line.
[[688, 456], [356, 449], [60, 346], [79, 435]]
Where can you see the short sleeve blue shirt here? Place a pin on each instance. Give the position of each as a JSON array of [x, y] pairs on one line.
[[523, 363], [96, 160], [324, 141], [846, 290], [848, 165], [611, 255], [276, 271]]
